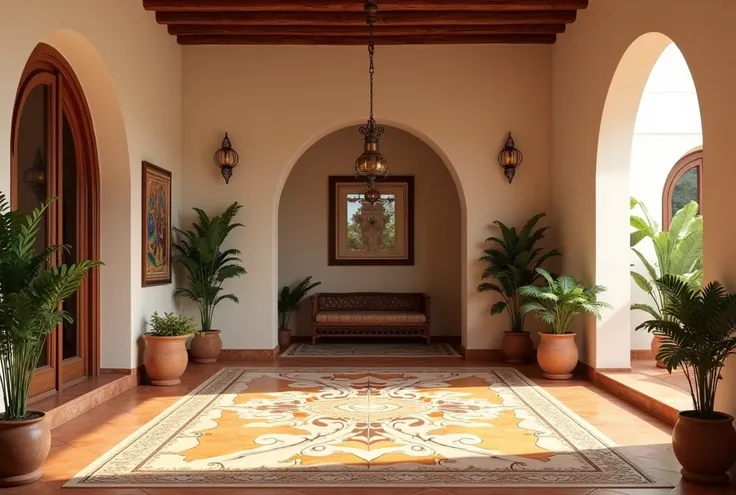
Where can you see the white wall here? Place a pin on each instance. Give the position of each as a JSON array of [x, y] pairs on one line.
[[667, 127], [276, 101], [303, 227], [130, 70]]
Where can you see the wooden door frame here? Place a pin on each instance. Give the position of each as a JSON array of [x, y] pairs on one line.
[[46, 59], [693, 159]]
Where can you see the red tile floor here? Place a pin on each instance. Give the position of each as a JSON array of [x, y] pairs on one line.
[[79, 441]]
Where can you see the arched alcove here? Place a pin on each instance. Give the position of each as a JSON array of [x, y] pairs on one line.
[[303, 224]]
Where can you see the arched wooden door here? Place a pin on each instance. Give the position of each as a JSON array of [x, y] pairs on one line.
[[53, 154]]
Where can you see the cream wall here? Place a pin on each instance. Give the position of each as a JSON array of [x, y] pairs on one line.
[[276, 101], [584, 62], [130, 70], [303, 225]]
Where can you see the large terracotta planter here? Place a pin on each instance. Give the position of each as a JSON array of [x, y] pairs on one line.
[[706, 448], [165, 359], [655, 345], [284, 338], [557, 355], [24, 446], [516, 346], [205, 348]]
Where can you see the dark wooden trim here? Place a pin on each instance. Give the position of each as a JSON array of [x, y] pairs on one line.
[[683, 165], [359, 31], [352, 6], [390, 18], [332, 260], [361, 40], [146, 166]]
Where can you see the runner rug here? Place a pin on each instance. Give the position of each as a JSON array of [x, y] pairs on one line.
[[433, 349], [366, 427]]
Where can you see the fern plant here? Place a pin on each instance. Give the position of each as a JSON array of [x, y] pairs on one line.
[[32, 289], [512, 263], [289, 300], [171, 325], [698, 326], [561, 300], [208, 266]]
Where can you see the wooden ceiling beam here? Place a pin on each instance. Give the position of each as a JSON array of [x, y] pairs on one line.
[[361, 40], [350, 31], [398, 18], [356, 5]]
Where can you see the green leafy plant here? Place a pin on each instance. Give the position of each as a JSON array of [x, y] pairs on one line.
[[172, 325], [513, 264], [32, 289], [563, 298], [698, 326], [200, 252], [289, 299], [678, 252]]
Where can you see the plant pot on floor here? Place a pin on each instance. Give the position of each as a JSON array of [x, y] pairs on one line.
[[206, 347], [655, 345], [165, 359], [516, 346], [557, 355], [24, 445], [705, 448], [284, 338]]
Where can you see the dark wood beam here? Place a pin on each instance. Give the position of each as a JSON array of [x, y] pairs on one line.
[[398, 18], [355, 5], [357, 31], [361, 40]]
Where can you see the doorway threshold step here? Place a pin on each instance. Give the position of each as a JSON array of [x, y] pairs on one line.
[[83, 396]]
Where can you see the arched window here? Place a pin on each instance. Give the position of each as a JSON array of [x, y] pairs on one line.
[[683, 184]]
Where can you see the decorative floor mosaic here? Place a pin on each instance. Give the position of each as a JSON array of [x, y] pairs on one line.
[[399, 349], [366, 427]]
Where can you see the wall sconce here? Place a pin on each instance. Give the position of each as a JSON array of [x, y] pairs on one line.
[[35, 176], [226, 158], [509, 158]]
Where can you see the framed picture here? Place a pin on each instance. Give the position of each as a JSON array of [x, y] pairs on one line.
[[365, 234], [156, 248]]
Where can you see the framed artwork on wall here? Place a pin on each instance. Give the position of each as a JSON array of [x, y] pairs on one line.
[[156, 245], [361, 234]]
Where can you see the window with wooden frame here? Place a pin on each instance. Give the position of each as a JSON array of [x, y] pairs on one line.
[[683, 184]]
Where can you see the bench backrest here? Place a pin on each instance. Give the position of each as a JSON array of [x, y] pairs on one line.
[[369, 301]]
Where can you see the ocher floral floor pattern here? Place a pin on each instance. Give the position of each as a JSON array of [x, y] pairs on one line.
[[360, 427]]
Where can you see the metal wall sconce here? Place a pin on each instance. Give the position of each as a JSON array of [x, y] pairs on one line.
[[35, 176], [226, 158], [509, 158]]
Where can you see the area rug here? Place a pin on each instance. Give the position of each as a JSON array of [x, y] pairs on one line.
[[366, 427], [399, 349]]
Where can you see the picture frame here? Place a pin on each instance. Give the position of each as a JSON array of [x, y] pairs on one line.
[[156, 226], [361, 235]]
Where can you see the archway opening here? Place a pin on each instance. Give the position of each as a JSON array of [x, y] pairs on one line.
[[307, 229]]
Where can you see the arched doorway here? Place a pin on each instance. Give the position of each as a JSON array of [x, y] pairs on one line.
[[53, 154]]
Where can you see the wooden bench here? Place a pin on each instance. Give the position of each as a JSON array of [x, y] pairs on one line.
[[370, 314]]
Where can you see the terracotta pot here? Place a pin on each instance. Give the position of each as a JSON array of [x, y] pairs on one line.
[[557, 355], [656, 344], [516, 346], [24, 446], [165, 359], [706, 448], [206, 347], [284, 338]]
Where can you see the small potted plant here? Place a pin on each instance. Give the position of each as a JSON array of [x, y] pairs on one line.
[[512, 264], [31, 293], [698, 326], [208, 266], [289, 300], [556, 304], [165, 356]]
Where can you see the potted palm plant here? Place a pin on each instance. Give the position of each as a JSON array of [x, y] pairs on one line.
[[512, 263], [678, 251], [698, 326], [32, 289], [165, 356], [556, 304], [208, 266], [289, 300]]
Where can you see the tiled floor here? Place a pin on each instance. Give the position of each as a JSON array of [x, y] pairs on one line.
[[83, 439], [657, 383]]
